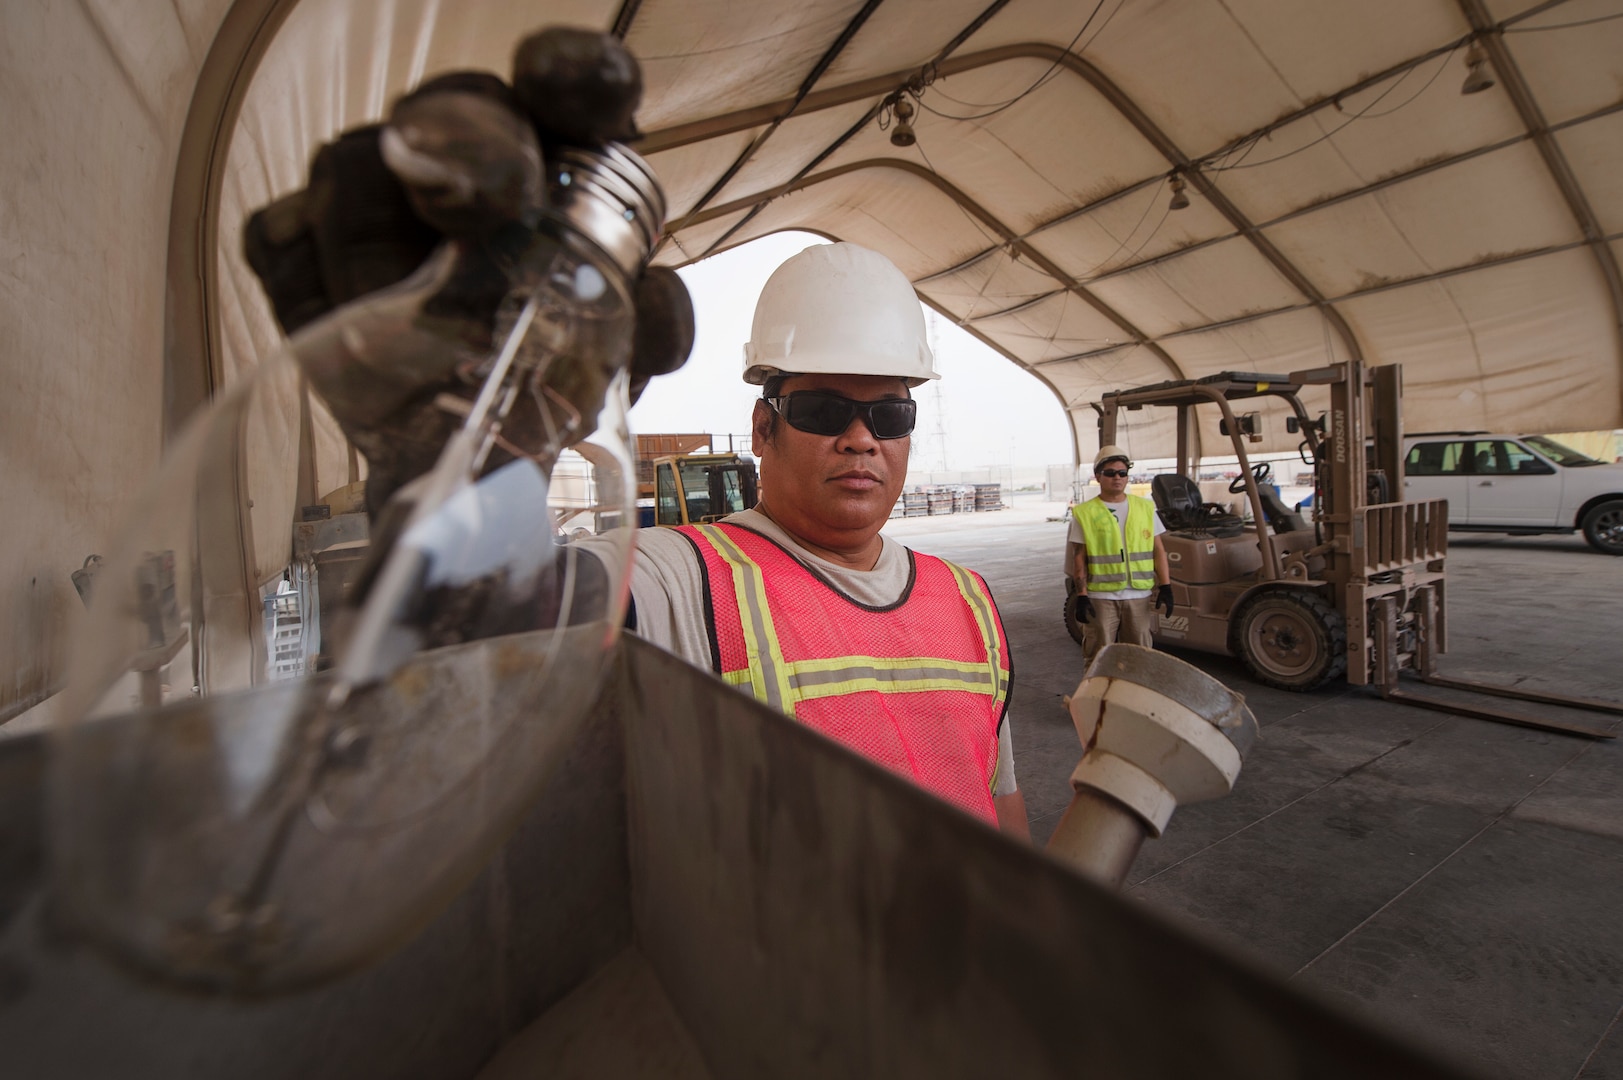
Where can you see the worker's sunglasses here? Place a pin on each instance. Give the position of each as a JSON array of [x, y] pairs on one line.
[[818, 412], [1118, 473]]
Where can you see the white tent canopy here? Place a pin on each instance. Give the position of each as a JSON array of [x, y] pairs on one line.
[[1345, 198]]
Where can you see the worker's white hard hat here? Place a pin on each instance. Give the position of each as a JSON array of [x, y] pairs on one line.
[[1111, 453], [838, 309]]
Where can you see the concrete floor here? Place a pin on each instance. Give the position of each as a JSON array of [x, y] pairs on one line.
[[1457, 879]]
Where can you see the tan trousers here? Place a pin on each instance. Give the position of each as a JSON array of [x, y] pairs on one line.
[[1129, 621]]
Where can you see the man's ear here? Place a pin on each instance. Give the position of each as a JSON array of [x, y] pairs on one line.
[[761, 424]]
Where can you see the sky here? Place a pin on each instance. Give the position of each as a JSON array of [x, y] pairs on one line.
[[984, 410]]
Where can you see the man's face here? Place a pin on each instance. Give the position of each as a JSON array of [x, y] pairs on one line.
[[834, 490], [1112, 487]]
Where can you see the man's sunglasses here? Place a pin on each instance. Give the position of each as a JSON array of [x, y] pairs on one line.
[[819, 412], [1118, 473]]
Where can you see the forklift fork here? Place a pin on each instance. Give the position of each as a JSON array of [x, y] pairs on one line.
[[1423, 662]]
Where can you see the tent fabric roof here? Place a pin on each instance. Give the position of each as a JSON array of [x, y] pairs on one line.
[[1346, 198], [1345, 195]]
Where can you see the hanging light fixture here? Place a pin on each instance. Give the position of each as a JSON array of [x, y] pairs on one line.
[[1477, 75], [1180, 200], [902, 133]]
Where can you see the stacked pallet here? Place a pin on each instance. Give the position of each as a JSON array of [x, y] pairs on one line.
[[988, 497]]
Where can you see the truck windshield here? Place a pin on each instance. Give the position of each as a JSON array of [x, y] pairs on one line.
[[1561, 455]]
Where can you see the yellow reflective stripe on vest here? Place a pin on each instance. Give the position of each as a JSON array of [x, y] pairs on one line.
[[768, 675], [986, 618], [838, 675], [1110, 566]]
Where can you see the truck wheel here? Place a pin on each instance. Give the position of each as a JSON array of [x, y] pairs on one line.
[[1603, 527], [1071, 624], [1291, 638]]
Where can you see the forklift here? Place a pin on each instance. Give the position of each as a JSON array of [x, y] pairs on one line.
[[1357, 592]]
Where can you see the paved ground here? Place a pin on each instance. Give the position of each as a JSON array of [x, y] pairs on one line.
[[1459, 879]]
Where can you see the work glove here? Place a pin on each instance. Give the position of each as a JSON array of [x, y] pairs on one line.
[[1083, 609], [437, 208], [1163, 599]]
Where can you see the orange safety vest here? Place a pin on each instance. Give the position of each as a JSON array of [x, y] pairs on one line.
[[856, 673]]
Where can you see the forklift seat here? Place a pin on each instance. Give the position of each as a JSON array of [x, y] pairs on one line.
[[1281, 517], [1177, 500]]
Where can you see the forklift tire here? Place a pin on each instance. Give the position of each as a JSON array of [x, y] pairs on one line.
[[1071, 625], [1603, 527], [1291, 639]]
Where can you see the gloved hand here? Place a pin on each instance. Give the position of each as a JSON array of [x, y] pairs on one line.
[[441, 203], [1163, 599], [1083, 608]]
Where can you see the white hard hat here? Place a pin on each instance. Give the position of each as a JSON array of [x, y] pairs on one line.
[[838, 309], [1109, 453]]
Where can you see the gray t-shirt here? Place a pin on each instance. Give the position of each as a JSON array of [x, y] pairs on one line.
[[667, 586]]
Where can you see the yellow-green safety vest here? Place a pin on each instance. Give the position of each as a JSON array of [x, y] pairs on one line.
[[1115, 562]]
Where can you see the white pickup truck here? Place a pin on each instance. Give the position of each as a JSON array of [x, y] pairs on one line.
[[1517, 484]]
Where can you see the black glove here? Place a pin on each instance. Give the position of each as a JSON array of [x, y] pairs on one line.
[[1163, 599], [459, 161], [1083, 610]]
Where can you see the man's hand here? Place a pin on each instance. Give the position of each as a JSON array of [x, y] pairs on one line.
[[1163, 599], [425, 222], [1083, 609]]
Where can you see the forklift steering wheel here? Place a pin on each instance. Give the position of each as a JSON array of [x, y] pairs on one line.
[[1262, 470]]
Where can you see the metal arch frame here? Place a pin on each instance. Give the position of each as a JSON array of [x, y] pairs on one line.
[[1099, 82], [698, 130], [192, 346], [191, 322], [624, 18], [774, 115], [1011, 239], [828, 151]]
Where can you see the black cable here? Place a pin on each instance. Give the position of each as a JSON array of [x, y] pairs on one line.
[[1561, 26], [1165, 213], [1240, 163], [995, 242], [993, 110], [1148, 206], [1413, 97]]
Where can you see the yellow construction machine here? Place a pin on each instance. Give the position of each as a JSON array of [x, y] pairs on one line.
[[686, 479], [692, 489]]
